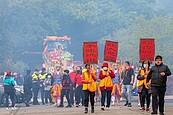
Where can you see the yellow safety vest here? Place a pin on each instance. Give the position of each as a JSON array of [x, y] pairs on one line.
[[42, 76], [89, 86], [35, 76]]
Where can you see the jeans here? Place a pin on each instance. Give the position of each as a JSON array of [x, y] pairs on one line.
[[11, 94], [79, 95], [65, 92], [48, 96], [72, 95], [104, 95], [127, 93]]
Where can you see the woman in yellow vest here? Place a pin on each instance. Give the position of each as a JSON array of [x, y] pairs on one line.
[[106, 84], [89, 87], [144, 88]]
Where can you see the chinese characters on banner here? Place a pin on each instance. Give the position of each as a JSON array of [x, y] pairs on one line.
[[90, 52], [110, 51], [147, 50]]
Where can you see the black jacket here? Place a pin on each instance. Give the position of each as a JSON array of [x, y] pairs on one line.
[[156, 78], [27, 80], [66, 82]]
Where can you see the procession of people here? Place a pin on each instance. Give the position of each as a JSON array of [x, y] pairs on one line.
[[111, 83]]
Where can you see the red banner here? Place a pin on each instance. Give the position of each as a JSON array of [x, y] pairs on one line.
[[147, 50], [110, 52], [90, 52]]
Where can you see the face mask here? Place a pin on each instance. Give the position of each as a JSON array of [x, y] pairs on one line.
[[145, 65], [97, 70], [105, 68], [49, 76], [78, 71]]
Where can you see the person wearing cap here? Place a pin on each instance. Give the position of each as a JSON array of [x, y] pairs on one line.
[[127, 83], [27, 87], [158, 76], [35, 86], [89, 87], [9, 89], [106, 84], [42, 77], [66, 84]]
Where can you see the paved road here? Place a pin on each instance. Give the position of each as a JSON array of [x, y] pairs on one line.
[[114, 110]]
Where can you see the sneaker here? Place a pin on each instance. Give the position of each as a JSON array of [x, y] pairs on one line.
[[77, 105], [6, 108], [55, 104], [102, 108], [27, 105], [112, 104], [86, 110], [107, 106], [13, 108], [126, 103], [161, 113], [139, 104], [68, 106], [129, 105], [154, 112], [147, 110], [142, 109], [61, 106], [92, 109]]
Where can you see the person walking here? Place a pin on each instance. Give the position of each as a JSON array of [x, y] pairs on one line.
[[158, 75], [27, 87], [89, 87], [127, 83], [106, 85], [9, 90], [144, 89]]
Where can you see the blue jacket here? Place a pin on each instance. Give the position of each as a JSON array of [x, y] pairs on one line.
[[8, 80], [9, 84]]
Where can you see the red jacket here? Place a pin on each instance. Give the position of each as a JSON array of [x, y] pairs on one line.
[[72, 76], [78, 80]]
